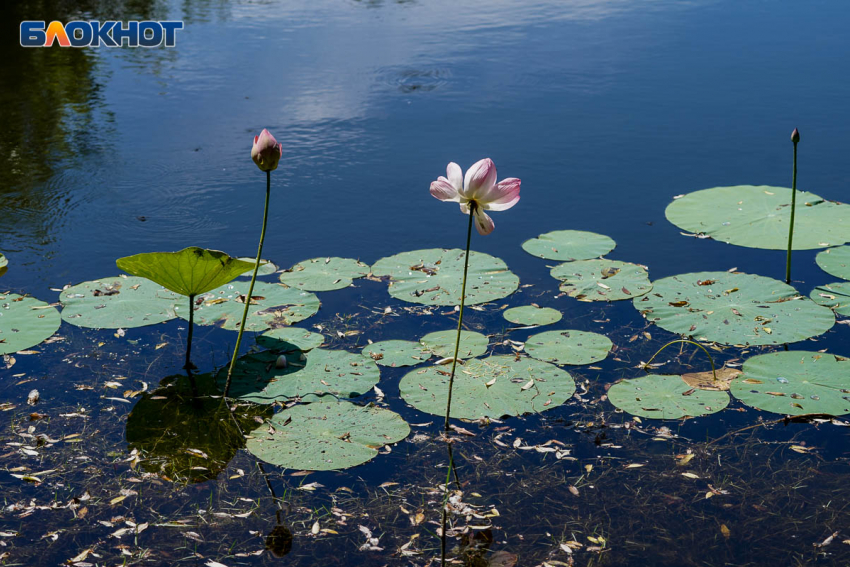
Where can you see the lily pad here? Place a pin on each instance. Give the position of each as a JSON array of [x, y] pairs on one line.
[[795, 383], [325, 373], [266, 268], [397, 353], [272, 306], [324, 274], [442, 343], [191, 271], [290, 339], [602, 280], [435, 277], [568, 347], [834, 261], [758, 217], [836, 296], [665, 397], [118, 302], [25, 322], [326, 436], [709, 380], [569, 245], [733, 308], [493, 387], [4, 264], [531, 315]]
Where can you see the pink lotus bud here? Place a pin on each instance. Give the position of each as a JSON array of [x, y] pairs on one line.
[[266, 151], [795, 136]]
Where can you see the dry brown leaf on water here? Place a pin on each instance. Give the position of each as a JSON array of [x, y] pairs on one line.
[[706, 381], [725, 531]]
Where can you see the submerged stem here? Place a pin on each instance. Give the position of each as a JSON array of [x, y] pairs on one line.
[[251, 287], [460, 316], [188, 365], [791, 226]]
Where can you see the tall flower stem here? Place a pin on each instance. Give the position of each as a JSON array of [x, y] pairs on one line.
[[188, 365], [472, 206], [793, 209], [250, 287]]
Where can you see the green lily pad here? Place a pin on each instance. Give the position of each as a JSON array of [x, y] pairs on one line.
[[493, 387], [397, 353], [180, 430], [290, 338], [325, 436], [442, 343], [531, 315], [602, 280], [665, 397], [272, 306], [795, 383], [25, 322], [266, 267], [836, 296], [257, 379], [435, 277], [324, 274], [733, 309], [568, 347], [834, 261], [569, 245], [4, 264], [758, 217], [191, 271], [118, 302]]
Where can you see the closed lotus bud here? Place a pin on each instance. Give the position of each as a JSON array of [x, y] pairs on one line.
[[266, 151], [795, 136], [281, 362]]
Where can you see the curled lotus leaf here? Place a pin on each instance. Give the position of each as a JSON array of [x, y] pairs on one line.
[[397, 353], [25, 322], [4, 264], [119, 302], [602, 280], [568, 347], [733, 308], [266, 268], [795, 383], [435, 277], [324, 274], [531, 315], [569, 245], [272, 306], [191, 271], [442, 343], [758, 217], [836, 296], [493, 387], [665, 397]]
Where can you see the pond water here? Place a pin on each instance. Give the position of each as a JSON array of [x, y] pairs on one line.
[[605, 109]]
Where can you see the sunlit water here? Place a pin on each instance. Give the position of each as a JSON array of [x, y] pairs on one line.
[[604, 109]]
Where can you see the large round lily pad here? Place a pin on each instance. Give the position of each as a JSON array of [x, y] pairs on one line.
[[324, 274], [836, 296], [834, 261], [290, 338], [602, 280], [569, 245], [25, 322], [326, 435], [531, 315], [435, 277], [397, 353], [665, 397], [795, 383], [758, 217], [493, 387], [733, 308], [119, 302], [324, 373], [272, 306], [442, 343], [568, 347]]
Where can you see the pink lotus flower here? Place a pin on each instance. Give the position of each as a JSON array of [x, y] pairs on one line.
[[266, 151], [477, 191]]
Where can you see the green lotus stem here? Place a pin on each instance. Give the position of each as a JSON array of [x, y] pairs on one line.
[[250, 287], [794, 138], [711, 360], [445, 515], [460, 317], [188, 365]]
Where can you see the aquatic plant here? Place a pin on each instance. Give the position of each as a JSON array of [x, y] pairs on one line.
[[4, 264], [266, 153], [795, 138]]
